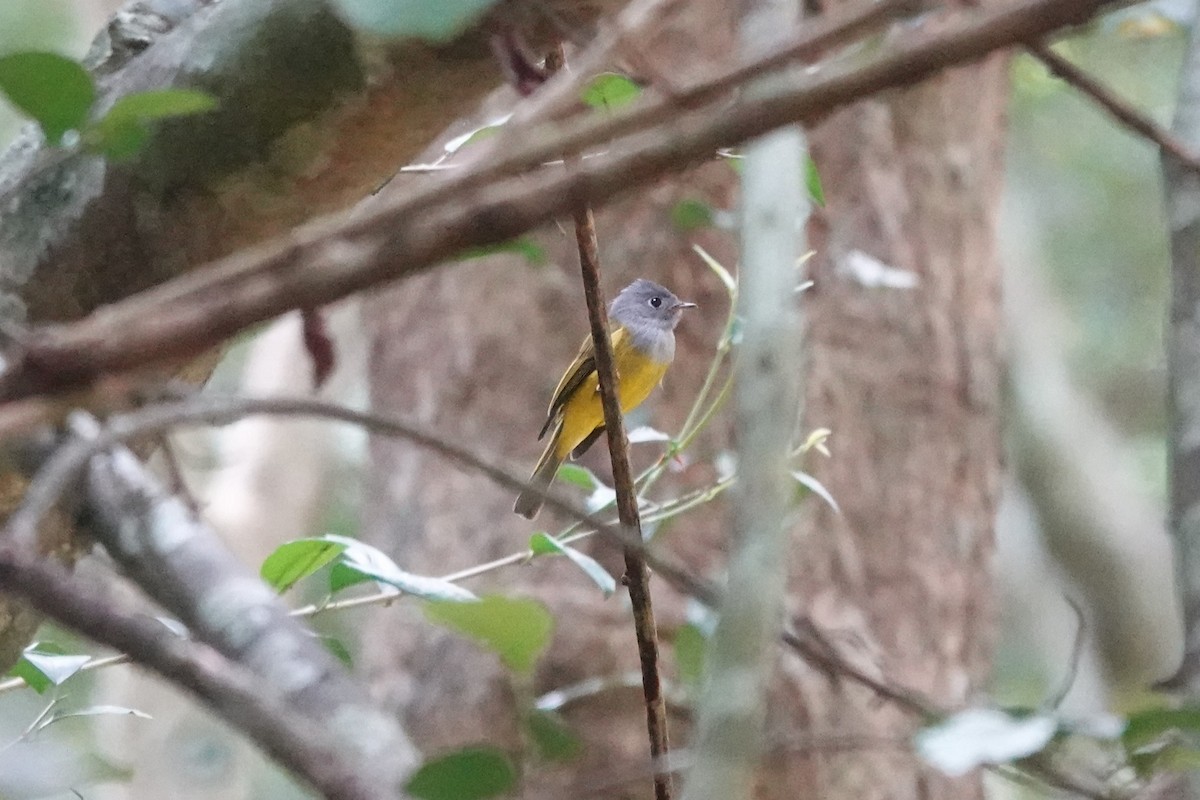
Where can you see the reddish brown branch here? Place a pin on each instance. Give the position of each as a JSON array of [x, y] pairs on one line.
[[1118, 108], [637, 573], [337, 255]]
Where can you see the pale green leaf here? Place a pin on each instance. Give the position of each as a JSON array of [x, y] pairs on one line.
[[610, 91], [125, 129], [542, 543], [690, 645], [727, 280], [365, 560], [980, 736], [516, 629], [816, 487], [292, 561], [579, 476], [551, 736]]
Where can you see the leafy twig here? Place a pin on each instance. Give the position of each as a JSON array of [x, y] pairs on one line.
[[804, 639]]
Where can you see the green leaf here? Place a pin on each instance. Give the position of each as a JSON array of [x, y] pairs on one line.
[[551, 736], [160, 104], [690, 215], [644, 433], [690, 645], [339, 650], [431, 20], [54, 90], [297, 559], [542, 543], [812, 180], [343, 577], [610, 91], [530, 250], [43, 665], [473, 773], [579, 476], [1146, 726], [373, 564], [125, 129], [518, 630]]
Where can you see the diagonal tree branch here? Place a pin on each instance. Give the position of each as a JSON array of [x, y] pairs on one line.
[[1119, 109], [311, 751], [183, 565], [338, 255]]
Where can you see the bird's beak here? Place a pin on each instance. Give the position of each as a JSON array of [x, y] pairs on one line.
[[682, 304]]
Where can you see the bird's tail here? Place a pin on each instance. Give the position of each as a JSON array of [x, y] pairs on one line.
[[529, 503]]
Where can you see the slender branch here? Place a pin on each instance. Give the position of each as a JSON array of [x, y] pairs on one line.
[[1119, 109], [804, 639], [517, 558], [66, 464], [841, 25], [229, 689], [211, 410], [337, 255], [637, 573]]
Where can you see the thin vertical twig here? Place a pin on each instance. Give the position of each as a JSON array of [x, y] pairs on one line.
[[637, 573]]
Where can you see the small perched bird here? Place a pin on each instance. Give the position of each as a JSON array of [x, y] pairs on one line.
[[643, 319]]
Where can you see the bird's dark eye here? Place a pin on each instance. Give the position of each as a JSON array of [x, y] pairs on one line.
[[655, 302]]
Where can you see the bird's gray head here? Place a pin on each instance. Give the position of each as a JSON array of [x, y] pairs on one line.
[[644, 305], [650, 313]]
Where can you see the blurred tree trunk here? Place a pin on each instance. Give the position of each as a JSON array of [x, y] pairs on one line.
[[907, 378]]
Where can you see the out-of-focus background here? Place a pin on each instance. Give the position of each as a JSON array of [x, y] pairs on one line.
[[1082, 524]]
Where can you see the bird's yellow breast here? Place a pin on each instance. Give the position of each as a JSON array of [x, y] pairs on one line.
[[637, 375]]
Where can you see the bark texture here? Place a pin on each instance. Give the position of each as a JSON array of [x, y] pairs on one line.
[[908, 379]]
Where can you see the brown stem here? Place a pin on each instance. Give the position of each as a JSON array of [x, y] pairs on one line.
[[637, 573]]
